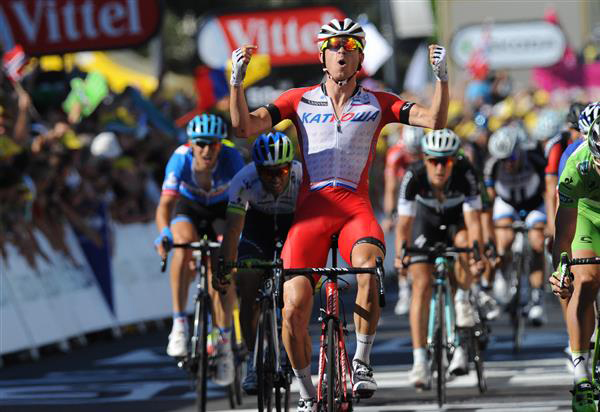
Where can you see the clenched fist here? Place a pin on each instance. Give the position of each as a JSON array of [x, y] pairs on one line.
[[437, 58], [239, 63]]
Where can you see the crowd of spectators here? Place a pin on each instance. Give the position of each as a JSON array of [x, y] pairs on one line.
[[55, 171]]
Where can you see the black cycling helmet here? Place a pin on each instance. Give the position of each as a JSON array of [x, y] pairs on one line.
[[573, 116]]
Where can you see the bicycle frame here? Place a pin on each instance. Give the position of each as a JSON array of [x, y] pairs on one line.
[[441, 271]]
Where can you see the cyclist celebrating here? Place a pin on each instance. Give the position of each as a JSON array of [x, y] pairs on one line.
[[515, 182], [194, 194], [439, 201], [338, 123], [577, 233], [262, 199]]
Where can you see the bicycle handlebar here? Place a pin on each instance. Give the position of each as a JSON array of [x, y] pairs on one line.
[[202, 244], [566, 262], [440, 249]]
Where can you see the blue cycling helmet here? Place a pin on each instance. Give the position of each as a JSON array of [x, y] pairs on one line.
[[206, 126], [272, 149]]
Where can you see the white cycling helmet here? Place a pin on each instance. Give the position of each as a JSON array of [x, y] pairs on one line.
[[587, 117], [411, 137], [348, 27], [438, 143], [503, 142], [548, 125], [593, 140]]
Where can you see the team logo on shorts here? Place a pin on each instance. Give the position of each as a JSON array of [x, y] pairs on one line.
[[585, 239]]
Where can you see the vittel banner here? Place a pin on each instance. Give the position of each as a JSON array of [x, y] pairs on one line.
[[60, 26], [288, 36]]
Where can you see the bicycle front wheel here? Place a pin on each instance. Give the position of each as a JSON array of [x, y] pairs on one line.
[[201, 331], [332, 366], [439, 346], [478, 359], [265, 360]]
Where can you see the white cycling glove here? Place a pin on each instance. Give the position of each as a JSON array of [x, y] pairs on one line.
[[238, 67], [438, 63]]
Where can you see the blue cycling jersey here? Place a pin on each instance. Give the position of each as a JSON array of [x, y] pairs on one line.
[[180, 179], [565, 156]]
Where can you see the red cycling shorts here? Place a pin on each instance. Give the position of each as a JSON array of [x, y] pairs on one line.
[[319, 215]]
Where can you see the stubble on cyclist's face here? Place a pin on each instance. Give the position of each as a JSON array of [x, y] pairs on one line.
[[342, 64], [205, 158]]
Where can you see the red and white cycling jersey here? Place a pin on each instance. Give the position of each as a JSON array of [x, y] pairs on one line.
[[338, 151], [397, 160]]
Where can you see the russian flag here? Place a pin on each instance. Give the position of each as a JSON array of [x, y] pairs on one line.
[[211, 86]]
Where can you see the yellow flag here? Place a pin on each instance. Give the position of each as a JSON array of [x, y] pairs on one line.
[[258, 69]]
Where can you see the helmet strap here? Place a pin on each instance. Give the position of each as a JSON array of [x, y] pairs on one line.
[[340, 82]]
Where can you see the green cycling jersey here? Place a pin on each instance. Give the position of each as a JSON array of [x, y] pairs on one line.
[[579, 187]]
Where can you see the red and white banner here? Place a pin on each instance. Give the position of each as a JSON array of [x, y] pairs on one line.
[[288, 36], [60, 26]]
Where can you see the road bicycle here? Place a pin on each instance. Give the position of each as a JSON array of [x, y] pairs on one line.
[[198, 363], [521, 264], [564, 270], [273, 370], [442, 336], [335, 370]]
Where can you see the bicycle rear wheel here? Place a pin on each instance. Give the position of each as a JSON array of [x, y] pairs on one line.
[[516, 312], [265, 360], [331, 369], [439, 346], [201, 331]]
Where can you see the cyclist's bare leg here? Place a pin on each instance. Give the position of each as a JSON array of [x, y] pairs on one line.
[[464, 277], [419, 306], [223, 303], [249, 281], [581, 307], [504, 237], [536, 240], [366, 309], [298, 301], [180, 273]]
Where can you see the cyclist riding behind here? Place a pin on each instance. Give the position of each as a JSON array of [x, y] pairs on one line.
[[338, 123], [194, 194], [578, 234], [397, 159], [514, 178], [262, 200], [439, 201]]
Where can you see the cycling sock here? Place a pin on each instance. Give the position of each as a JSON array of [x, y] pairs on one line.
[[364, 343], [419, 355], [226, 336], [580, 365], [179, 321], [307, 389], [461, 295]]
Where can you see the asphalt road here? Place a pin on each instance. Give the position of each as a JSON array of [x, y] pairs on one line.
[[134, 374]]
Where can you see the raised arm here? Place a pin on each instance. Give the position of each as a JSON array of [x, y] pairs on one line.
[[244, 123], [436, 115]]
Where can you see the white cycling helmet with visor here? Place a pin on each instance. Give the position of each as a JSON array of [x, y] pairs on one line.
[[411, 137], [439, 143]]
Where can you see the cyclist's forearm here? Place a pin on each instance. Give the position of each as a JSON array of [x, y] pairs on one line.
[[164, 211], [389, 196], [403, 231], [473, 225], [233, 229], [566, 221], [240, 115], [439, 104]]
